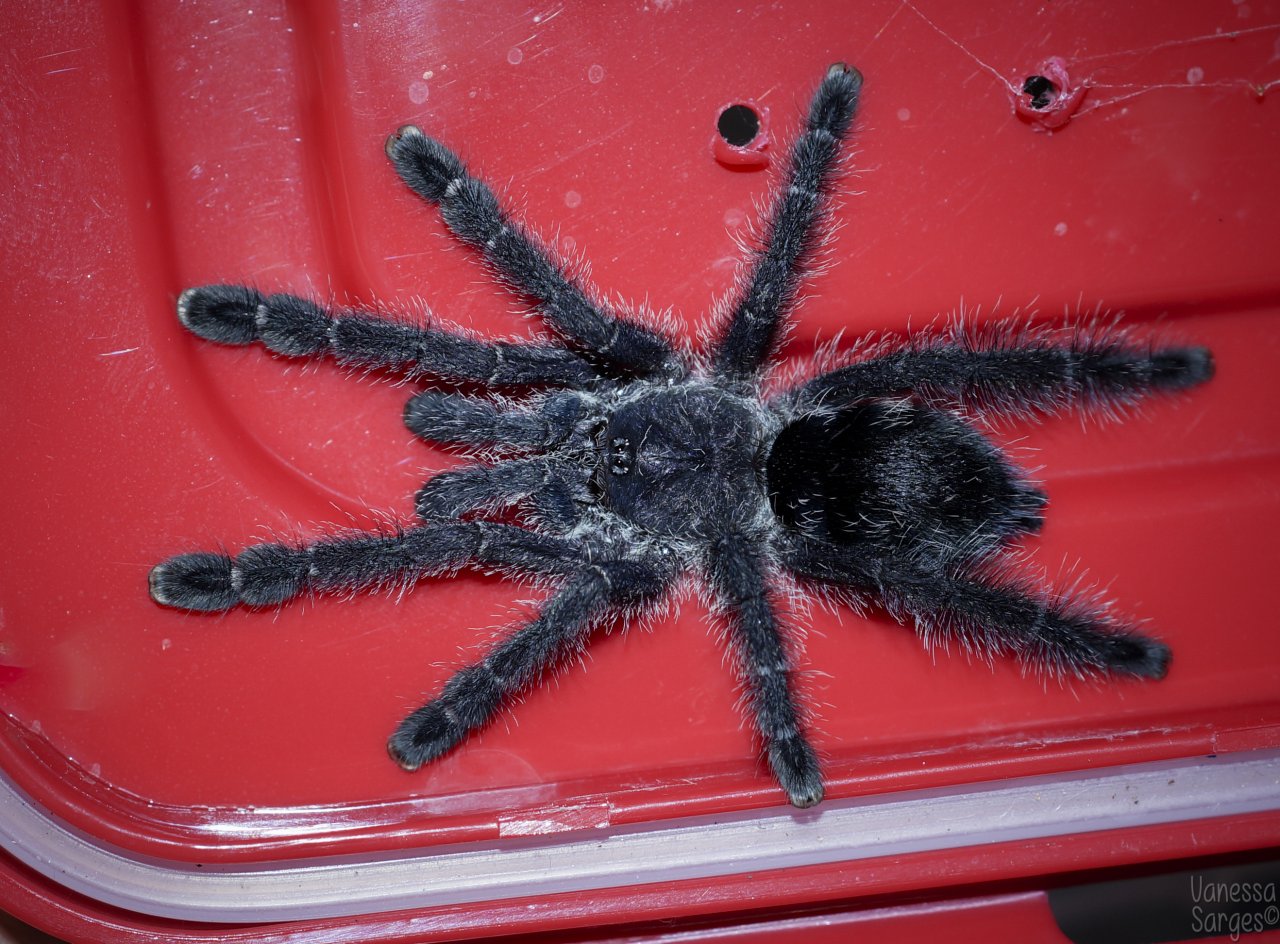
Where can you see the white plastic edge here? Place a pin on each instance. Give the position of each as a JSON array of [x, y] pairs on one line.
[[698, 847]]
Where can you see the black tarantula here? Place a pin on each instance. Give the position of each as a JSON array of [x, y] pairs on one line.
[[632, 462]]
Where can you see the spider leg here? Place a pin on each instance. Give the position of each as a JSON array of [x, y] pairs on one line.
[[990, 614], [562, 629], [297, 327], [1018, 377], [778, 268], [738, 576], [556, 486], [472, 213], [269, 574], [458, 419]]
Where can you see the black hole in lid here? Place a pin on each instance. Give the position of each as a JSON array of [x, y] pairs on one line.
[[738, 125], [1041, 90]]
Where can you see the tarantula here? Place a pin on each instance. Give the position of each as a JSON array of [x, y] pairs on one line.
[[631, 462]]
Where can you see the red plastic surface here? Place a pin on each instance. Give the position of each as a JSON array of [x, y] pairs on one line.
[[154, 147]]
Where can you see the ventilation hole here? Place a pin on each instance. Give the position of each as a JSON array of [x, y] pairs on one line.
[[738, 124], [1041, 89]]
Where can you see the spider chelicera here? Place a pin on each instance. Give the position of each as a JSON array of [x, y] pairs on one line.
[[631, 462]]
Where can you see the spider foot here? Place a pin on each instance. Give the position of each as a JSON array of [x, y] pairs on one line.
[[393, 139], [237, 314], [426, 165], [425, 735], [838, 71], [227, 314], [1181, 367], [795, 765], [836, 100], [1137, 656], [200, 582], [262, 575]]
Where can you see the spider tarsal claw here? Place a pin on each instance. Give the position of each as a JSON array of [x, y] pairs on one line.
[[404, 131], [402, 762], [843, 68]]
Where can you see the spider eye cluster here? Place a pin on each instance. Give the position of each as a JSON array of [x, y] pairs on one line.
[[621, 455]]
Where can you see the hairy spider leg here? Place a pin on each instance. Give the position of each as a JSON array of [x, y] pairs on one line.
[[270, 574], [562, 629], [778, 267], [556, 484], [738, 576], [472, 213], [989, 614], [287, 324], [1018, 377], [457, 419], [557, 488]]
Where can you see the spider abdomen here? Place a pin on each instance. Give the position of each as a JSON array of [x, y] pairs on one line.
[[683, 460], [899, 474]]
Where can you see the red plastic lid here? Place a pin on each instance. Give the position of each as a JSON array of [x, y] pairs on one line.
[[200, 144]]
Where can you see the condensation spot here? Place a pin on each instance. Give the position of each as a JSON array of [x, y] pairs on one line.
[[515, 55], [166, 644], [418, 92], [595, 75], [572, 199], [734, 218], [196, 172], [1243, 11], [904, 114], [1195, 75], [569, 243], [1060, 229], [95, 771]]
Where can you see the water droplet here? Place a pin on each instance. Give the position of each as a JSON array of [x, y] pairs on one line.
[[1060, 229], [1195, 75], [572, 199], [418, 92], [904, 114], [595, 75], [569, 243], [515, 55]]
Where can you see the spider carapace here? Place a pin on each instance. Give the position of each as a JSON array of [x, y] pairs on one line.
[[621, 462]]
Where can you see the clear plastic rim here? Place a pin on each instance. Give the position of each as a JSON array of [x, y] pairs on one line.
[[692, 848]]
